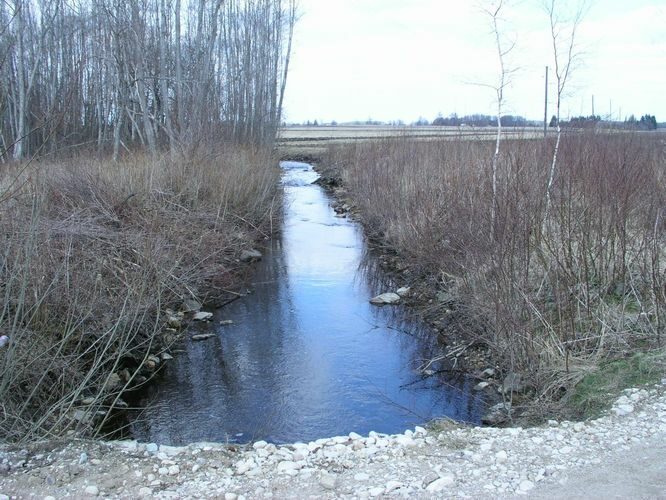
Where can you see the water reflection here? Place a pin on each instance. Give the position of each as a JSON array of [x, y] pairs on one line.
[[307, 356]]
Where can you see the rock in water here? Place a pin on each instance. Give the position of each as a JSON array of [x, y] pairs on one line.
[[203, 336], [250, 255], [403, 291], [202, 316], [385, 298]]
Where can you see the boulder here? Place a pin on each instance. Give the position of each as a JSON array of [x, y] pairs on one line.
[[403, 291], [152, 362], [124, 375], [190, 306], [202, 316], [250, 255], [497, 414], [112, 381], [481, 386], [174, 322], [385, 299]]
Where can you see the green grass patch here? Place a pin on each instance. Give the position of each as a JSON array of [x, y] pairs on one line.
[[596, 391]]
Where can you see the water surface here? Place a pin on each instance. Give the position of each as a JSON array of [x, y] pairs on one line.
[[306, 356]]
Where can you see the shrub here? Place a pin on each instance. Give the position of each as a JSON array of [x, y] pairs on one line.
[[93, 254], [548, 292]]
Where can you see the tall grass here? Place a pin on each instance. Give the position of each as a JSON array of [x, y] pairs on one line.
[[551, 293], [93, 253]]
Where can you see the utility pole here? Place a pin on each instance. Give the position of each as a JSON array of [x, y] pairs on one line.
[[593, 105], [545, 106]]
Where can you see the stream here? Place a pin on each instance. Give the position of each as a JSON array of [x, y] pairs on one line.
[[306, 356]]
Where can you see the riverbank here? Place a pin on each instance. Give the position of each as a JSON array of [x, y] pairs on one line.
[[103, 265], [620, 454], [546, 290]]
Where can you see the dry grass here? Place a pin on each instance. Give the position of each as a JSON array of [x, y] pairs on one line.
[[93, 254], [548, 294]]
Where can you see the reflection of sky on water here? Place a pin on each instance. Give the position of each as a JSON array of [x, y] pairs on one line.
[[307, 355]]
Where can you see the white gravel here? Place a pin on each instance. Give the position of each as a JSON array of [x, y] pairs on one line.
[[557, 459]]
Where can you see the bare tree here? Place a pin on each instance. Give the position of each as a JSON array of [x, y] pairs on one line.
[[503, 47], [152, 73], [563, 38]]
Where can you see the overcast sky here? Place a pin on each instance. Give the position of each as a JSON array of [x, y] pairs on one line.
[[401, 59]]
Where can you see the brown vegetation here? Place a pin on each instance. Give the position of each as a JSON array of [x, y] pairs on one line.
[[93, 253], [550, 291]]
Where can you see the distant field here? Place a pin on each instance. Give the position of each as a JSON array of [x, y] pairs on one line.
[[311, 140]]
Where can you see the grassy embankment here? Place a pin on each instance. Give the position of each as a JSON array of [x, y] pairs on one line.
[[555, 295], [93, 254]]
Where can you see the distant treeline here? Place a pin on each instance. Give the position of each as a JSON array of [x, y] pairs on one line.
[[645, 122]]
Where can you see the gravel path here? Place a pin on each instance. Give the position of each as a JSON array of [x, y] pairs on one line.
[[620, 455]]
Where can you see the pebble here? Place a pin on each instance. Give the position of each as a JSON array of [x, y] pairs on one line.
[[526, 485], [91, 490], [405, 441], [441, 483], [623, 409], [375, 492], [259, 445], [392, 485], [287, 466], [470, 462], [328, 481]]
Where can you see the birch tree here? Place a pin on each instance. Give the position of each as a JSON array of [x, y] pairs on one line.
[[563, 35], [118, 74]]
